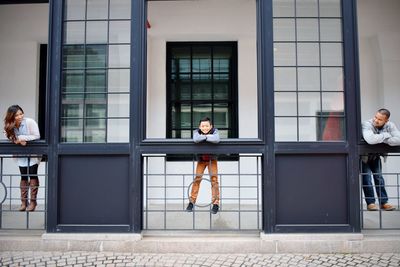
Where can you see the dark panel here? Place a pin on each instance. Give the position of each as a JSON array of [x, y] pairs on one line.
[[93, 190], [311, 189]]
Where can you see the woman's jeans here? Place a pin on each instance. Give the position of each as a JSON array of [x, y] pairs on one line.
[[373, 166]]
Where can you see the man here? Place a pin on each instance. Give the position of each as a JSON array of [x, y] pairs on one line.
[[375, 131]]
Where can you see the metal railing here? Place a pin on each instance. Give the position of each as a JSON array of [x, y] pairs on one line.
[[11, 197], [167, 185], [390, 171]]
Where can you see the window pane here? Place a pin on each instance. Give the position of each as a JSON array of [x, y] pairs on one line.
[[120, 9], [120, 31], [181, 87], [97, 9], [307, 129], [118, 105], [118, 80], [221, 86], [331, 30], [221, 116], [332, 101], [307, 8], [332, 127], [75, 9], [332, 79], [285, 104], [309, 104], [72, 110], [309, 79], [307, 54], [285, 129], [96, 32], [307, 30], [201, 59], [118, 130], [180, 116], [284, 30], [96, 81], [180, 59], [284, 54], [201, 86], [93, 134], [283, 8], [95, 111], [73, 56], [74, 32], [221, 59], [73, 81], [119, 56], [200, 111], [330, 8], [96, 56], [285, 79], [72, 130], [331, 54]]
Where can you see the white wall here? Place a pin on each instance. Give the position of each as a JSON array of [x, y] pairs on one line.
[[207, 20], [22, 29], [379, 51]]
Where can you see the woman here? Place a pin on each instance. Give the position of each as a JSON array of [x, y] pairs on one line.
[[19, 130]]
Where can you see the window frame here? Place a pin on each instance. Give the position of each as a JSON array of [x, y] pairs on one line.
[[232, 99]]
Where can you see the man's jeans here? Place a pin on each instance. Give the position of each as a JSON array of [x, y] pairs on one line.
[[374, 167]]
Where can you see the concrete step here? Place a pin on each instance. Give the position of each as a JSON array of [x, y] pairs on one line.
[[205, 242]]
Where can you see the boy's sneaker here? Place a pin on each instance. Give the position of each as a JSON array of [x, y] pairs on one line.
[[214, 209], [387, 207], [189, 207]]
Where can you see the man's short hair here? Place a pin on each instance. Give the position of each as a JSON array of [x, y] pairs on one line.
[[385, 112], [205, 119]]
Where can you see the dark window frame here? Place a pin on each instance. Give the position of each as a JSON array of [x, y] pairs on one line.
[[233, 94]]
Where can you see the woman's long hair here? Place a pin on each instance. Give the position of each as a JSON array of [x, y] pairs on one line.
[[9, 121]]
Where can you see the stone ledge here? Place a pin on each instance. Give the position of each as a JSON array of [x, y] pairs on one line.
[[91, 237]]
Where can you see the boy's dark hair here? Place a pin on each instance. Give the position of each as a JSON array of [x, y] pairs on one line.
[[205, 119], [385, 112]]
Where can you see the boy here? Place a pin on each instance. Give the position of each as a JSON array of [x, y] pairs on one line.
[[206, 133]]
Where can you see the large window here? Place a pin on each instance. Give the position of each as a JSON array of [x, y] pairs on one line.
[[201, 81], [308, 68], [96, 71]]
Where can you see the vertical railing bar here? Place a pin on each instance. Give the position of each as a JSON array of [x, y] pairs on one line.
[[1, 180], [165, 193], [147, 192], [398, 193], [209, 175], [239, 195], [258, 193], [194, 209], [29, 187]]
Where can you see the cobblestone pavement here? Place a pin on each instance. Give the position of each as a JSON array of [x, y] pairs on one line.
[[38, 258]]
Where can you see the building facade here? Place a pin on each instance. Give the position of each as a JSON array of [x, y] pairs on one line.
[[128, 80]]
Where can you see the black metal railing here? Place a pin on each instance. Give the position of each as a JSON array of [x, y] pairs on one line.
[[378, 216], [13, 192], [168, 183]]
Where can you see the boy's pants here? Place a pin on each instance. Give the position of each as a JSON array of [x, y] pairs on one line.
[[213, 171]]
